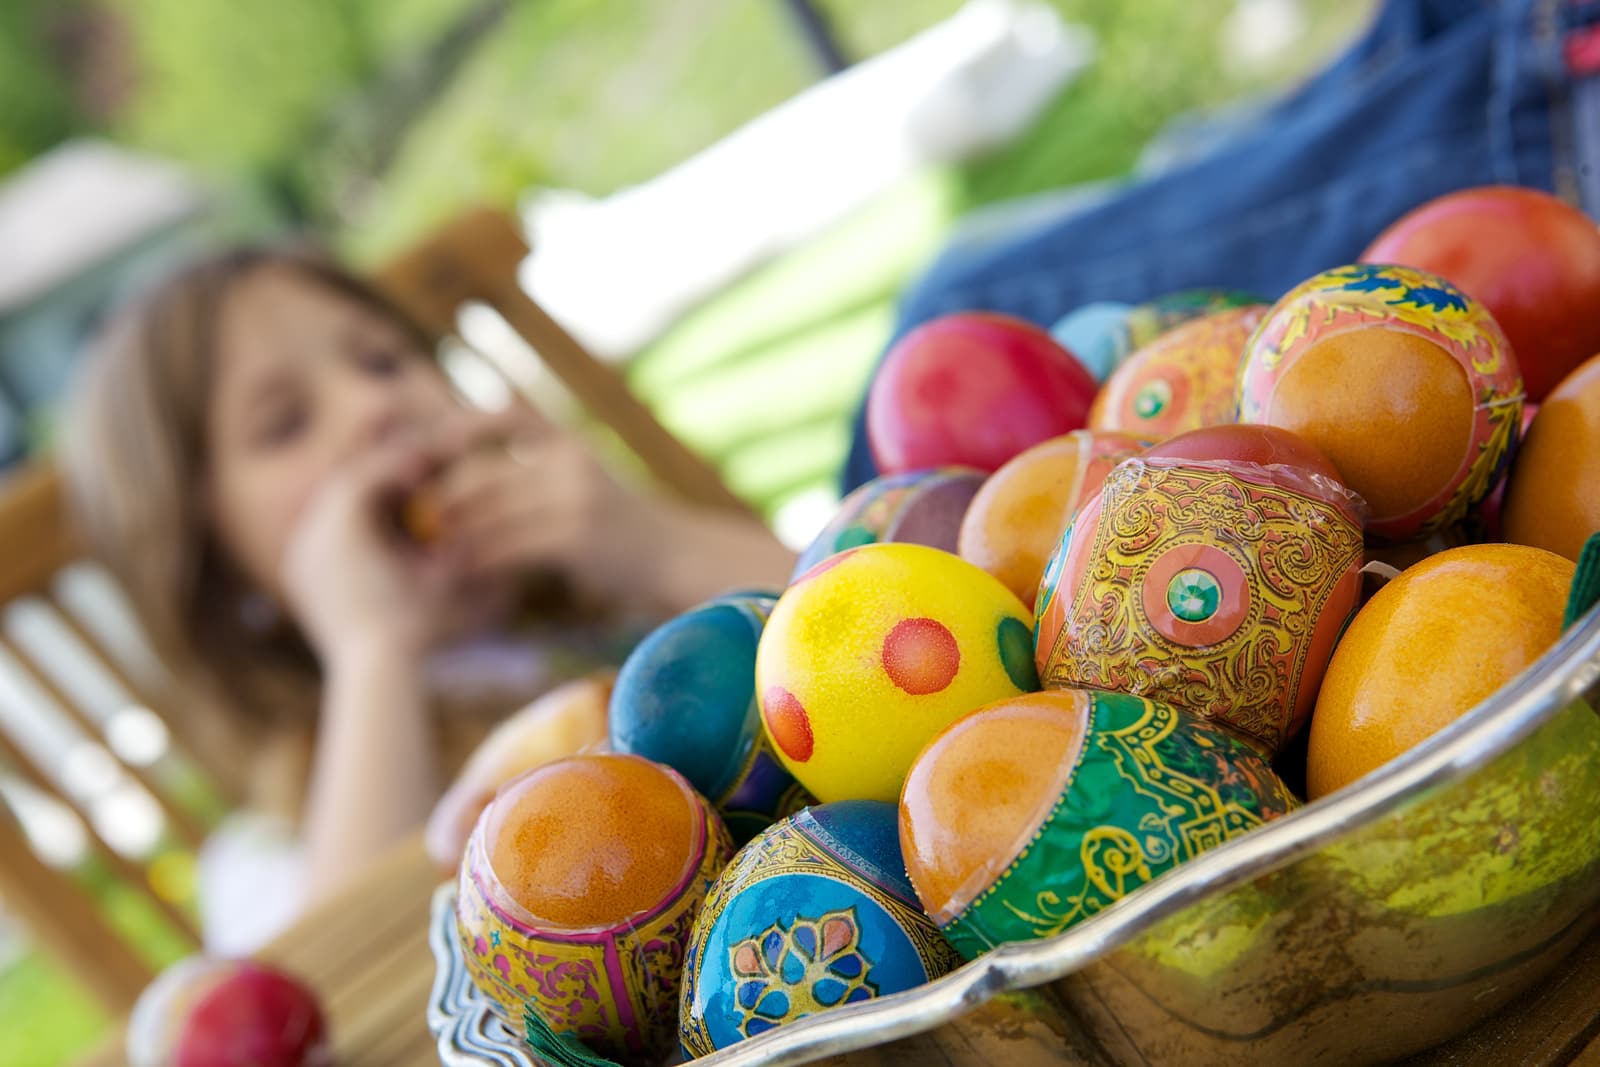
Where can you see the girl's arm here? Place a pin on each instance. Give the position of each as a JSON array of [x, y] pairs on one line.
[[374, 777], [371, 606], [705, 553]]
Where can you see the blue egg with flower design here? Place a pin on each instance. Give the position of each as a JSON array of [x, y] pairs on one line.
[[813, 914], [686, 698]]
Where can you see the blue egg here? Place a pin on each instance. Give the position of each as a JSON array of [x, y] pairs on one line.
[[686, 698], [815, 913], [1098, 335]]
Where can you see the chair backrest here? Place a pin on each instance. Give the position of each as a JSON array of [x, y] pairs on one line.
[[475, 259], [81, 735]]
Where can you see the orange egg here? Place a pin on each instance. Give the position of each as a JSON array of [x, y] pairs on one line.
[[592, 865], [1183, 380], [1014, 522], [1554, 498], [638, 826], [1402, 380], [1429, 647]]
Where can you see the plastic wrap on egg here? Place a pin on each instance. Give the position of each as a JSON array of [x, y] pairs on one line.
[[1217, 586]]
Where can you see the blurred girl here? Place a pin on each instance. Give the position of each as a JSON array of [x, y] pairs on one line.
[[241, 446]]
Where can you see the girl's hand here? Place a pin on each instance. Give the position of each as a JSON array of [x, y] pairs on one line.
[[352, 580], [539, 499]]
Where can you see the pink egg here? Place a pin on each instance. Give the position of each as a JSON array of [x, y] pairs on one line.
[[973, 390]]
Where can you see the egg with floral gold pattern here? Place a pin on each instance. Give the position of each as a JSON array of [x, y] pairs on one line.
[[1218, 585]]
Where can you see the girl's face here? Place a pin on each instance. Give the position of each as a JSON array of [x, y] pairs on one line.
[[305, 379]]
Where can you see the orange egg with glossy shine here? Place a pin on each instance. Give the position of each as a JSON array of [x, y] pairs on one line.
[[1013, 524], [1183, 380], [1405, 382], [1431, 645], [1553, 501], [592, 865]]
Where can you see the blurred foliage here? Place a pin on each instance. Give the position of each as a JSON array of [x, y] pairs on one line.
[[48, 1017], [361, 116], [39, 108]]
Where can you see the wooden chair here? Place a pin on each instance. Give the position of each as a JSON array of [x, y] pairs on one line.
[[40, 554], [472, 259]]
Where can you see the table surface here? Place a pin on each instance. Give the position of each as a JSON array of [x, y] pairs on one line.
[[366, 954]]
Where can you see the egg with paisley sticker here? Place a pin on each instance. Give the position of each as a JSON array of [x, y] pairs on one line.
[[1034, 814], [875, 650]]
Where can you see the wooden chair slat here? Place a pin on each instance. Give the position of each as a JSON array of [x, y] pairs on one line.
[[33, 531], [223, 779], [30, 770], [475, 258], [65, 920], [183, 823]]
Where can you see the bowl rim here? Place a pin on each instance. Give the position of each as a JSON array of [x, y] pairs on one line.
[[1545, 689]]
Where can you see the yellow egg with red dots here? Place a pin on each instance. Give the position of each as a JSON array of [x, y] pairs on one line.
[[873, 651]]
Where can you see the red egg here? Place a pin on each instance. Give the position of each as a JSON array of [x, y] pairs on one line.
[[1532, 259], [205, 1012], [973, 390], [1265, 446]]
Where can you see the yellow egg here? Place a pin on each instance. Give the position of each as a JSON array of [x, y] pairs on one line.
[[873, 651]]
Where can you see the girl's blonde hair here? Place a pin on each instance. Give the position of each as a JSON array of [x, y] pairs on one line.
[[134, 458]]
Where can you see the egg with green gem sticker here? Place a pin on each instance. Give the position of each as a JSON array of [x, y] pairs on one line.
[[1181, 381], [1215, 572], [1033, 814], [875, 650], [923, 507]]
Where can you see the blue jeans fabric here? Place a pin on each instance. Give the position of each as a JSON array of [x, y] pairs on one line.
[[1437, 95]]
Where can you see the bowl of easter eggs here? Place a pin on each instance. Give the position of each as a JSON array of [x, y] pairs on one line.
[[1226, 694]]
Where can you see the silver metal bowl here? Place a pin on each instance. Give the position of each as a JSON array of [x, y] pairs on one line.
[[1374, 923]]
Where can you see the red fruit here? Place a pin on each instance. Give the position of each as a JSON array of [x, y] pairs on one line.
[[973, 390], [227, 1013], [1263, 445], [1532, 259]]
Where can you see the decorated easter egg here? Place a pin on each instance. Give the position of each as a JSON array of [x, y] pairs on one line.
[[972, 390], [1404, 381], [1183, 380], [576, 897], [1097, 334], [1553, 501], [1217, 586], [686, 697], [1035, 813], [814, 914], [1015, 521], [1154, 318], [1532, 258], [917, 507], [875, 650], [1427, 648]]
